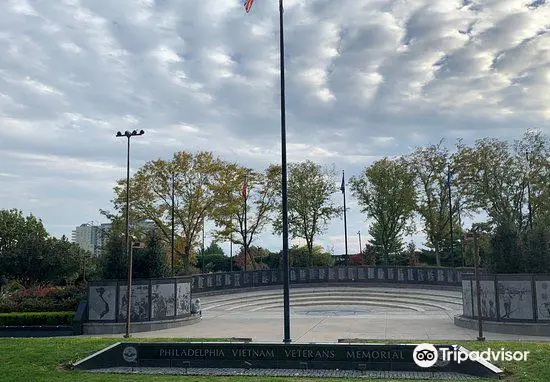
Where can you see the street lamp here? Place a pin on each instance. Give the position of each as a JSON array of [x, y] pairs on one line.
[[360, 246], [135, 245]]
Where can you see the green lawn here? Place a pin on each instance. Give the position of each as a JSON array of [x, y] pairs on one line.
[[42, 359]]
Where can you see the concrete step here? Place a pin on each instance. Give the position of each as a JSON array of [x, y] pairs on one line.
[[353, 300], [455, 302], [450, 296]]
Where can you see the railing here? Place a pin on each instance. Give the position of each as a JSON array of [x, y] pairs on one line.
[[508, 297], [318, 275]]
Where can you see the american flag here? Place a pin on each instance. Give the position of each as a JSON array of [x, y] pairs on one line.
[[248, 5]]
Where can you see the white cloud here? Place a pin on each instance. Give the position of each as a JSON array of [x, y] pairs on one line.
[[365, 79]]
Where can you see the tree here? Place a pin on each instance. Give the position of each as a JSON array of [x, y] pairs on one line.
[[533, 152], [199, 181], [431, 166], [260, 199], [29, 255], [493, 178], [310, 207], [149, 261], [213, 248], [385, 192], [113, 260]]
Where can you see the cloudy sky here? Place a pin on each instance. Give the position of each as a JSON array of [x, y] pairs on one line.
[[365, 79]]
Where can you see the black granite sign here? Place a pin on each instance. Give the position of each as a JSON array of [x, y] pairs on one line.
[[279, 356]]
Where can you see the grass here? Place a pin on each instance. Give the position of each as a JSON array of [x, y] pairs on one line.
[[42, 359]]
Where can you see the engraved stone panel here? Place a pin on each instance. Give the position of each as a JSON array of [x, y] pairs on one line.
[[237, 280], [266, 279], [488, 305], [390, 273], [292, 275], [420, 276], [183, 305], [322, 274], [400, 274], [227, 279], [218, 280], [381, 275], [102, 300], [341, 274], [430, 275], [246, 278], [543, 299], [361, 274], [440, 276], [331, 274], [303, 275], [467, 304], [209, 281], [200, 282], [352, 273], [370, 273], [163, 301], [313, 274], [515, 299], [255, 278], [139, 310], [410, 274]]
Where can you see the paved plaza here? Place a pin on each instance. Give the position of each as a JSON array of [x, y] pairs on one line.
[[327, 314]]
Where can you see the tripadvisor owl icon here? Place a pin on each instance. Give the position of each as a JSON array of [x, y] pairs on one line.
[[425, 355]]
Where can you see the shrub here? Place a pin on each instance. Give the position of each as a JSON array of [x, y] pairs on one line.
[[43, 299], [36, 318]]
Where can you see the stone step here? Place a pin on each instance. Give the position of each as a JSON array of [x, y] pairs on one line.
[[355, 300], [456, 296], [376, 295], [340, 302]]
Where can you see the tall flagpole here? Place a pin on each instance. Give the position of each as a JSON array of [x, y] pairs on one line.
[[245, 197], [286, 288], [343, 189]]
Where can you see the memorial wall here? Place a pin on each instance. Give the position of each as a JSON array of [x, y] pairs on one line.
[[508, 298]]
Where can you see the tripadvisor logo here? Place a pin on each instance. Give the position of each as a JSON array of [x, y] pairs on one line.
[[426, 355]]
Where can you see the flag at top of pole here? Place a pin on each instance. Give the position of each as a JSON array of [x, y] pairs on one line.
[[248, 5], [343, 186]]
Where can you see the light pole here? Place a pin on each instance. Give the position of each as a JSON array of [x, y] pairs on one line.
[[360, 246], [136, 245], [128, 134], [450, 213]]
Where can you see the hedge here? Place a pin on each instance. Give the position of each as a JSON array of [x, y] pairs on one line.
[[36, 318]]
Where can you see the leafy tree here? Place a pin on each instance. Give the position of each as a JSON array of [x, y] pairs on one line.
[[431, 166], [27, 253], [213, 248], [492, 176], [254, 258], [198, 182], [536, 250], [385, 192], [310, 207], [503, 255], [533, 152], [149, 262], [113, 260], [216, 262], [260, 198], [301, 256]]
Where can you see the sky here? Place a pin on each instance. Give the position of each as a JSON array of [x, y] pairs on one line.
[[364, 79]]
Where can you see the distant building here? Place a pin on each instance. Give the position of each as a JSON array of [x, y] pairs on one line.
[[93, 238], [88, 237]]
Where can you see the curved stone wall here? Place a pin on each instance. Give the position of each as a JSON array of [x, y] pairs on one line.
[[152, 300], [510, 303], [320, 275]]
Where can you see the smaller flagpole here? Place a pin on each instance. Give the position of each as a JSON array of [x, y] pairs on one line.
[[343, 189]]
